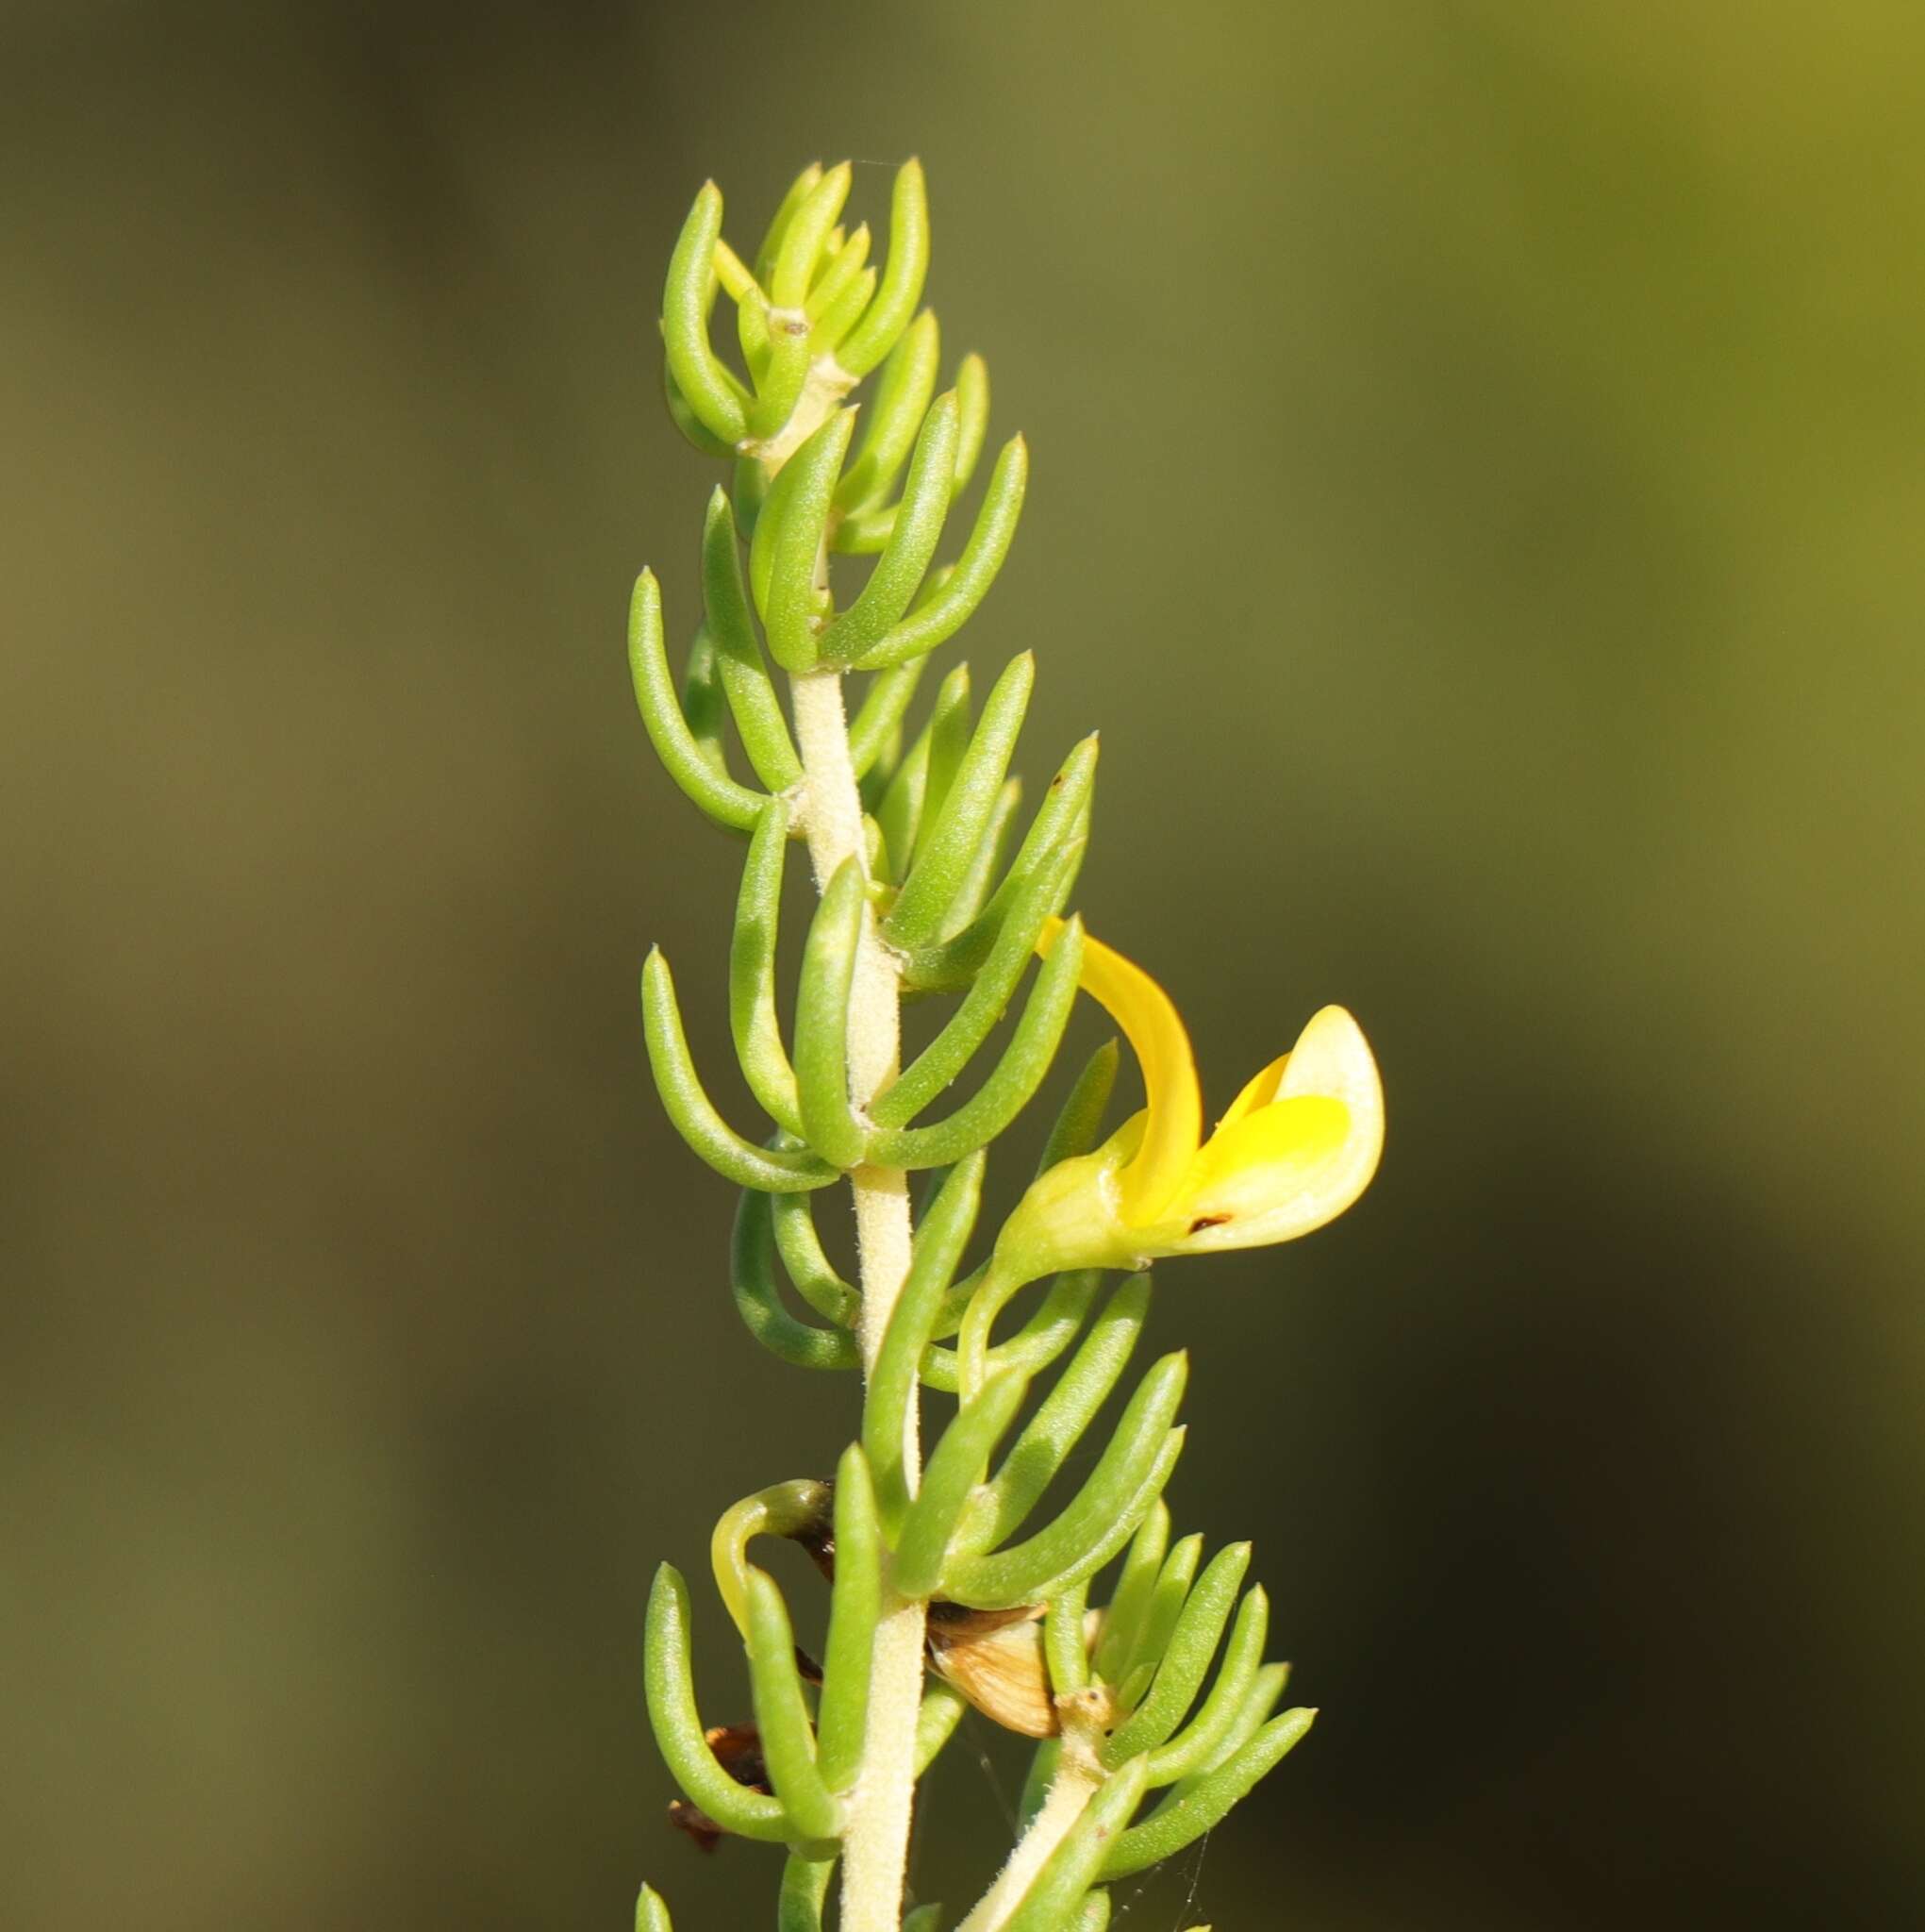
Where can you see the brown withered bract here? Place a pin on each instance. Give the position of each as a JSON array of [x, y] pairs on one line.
[[738, 1750], [995, 1658], [818, 1536], [696, 1824]]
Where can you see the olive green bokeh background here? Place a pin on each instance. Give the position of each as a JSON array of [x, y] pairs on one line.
[[1478, 492]]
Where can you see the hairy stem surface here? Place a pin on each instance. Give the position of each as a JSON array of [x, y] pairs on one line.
[[1069, 1793], [875, 1843]]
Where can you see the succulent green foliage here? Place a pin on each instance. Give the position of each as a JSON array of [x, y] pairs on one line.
[[668, 1672], [758, 1299], [804, 1892], [1023, 1501], [854, 1606]]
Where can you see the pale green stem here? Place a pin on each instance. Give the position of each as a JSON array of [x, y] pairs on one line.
[[1075, 1783], [875, 1839], [827, 383]]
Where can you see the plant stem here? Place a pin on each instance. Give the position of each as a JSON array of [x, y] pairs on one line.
[[1070, 1791], [876, 1840], [828, 382]]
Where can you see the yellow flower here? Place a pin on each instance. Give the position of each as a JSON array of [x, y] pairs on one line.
[[1298, 1145]]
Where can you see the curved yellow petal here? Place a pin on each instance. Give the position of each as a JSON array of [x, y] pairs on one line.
[[1175, 1104], [1299, 1162], [1333, 1057], [1256, 1179], [1257, 1092], [1331, 1063]]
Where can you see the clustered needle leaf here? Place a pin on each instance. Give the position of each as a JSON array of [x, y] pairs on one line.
[[1151, 1710]]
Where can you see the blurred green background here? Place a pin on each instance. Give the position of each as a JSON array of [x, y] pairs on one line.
[[1478, 491]]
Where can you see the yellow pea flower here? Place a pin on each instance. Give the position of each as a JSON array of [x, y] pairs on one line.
[[1298, 1145]]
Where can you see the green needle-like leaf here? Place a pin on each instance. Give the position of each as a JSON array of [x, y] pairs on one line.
[[789, 539], [898, 572], [1051, 1902], [903, 394], [1094, 1915], [1265, 1692], [975, 568], [903, 275], [687, 422], [1062, 817], [1064, 1648], [711, 391], [1056, 1427], [1186, 1660], [748, 491], [799, 192], [1165, 1604], [780, 383], [1010, 1088], [954, 1469], [1057, 1322], [955, 1304], [744, 674], [838, 270], [788, 1743], [822, 1019], [900, 814], [677, 1725], [752, 307], [1129, 1693], [753, 1021], [807, 1266], [1079, 1126], [924, 1919], [804, 235], [943, 853], [951, 964], [942, 1709], [680, 751], [973, 398], [1103, 1515], [863, 532], [854, 1606], [650, 1913], [938, 1247], [804, 1892], [1195, 1744], [1175, 1824], [778, 1170], [991, 855], [949, 743], [702, 701], [880, 712], [842, 315], [752, 1280], [931, 1071], [798, 1509], [1129, 1601]]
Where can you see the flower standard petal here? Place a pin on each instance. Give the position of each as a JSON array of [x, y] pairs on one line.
[[1331, 1057], [1174, 1125]]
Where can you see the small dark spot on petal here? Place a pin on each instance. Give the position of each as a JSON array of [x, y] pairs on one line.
[[1203, 1221]]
